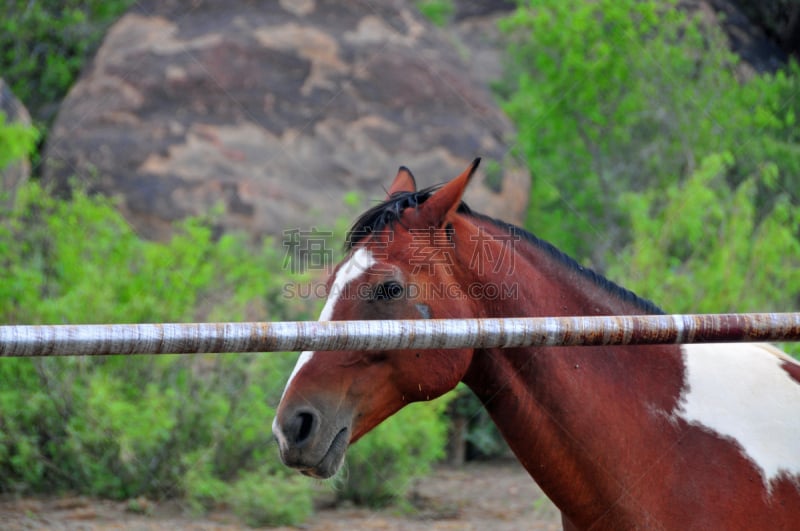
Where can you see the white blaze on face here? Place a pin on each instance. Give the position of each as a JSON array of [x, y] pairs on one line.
[[359, 262], [354, 267], [741, 392]]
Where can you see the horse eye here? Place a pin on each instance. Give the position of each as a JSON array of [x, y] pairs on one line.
[[388, 291]]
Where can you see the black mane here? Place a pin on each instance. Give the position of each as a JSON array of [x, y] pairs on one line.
[[623, 293], [386, 214]]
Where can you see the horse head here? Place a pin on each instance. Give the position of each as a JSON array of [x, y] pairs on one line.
[[403, 262]]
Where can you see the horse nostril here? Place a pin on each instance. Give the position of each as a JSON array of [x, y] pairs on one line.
[[302, 427]]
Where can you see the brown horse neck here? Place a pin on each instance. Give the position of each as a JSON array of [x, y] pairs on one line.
[[542, 281], [575, 401]]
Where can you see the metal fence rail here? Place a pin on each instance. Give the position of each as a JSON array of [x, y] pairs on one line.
[[194, 338]]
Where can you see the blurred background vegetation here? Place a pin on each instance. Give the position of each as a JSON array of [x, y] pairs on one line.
[[651, 161]]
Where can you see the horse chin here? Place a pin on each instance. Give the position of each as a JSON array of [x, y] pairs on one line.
[[332, 460]]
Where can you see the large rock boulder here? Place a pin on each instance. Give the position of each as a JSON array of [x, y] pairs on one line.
[[275, 110]]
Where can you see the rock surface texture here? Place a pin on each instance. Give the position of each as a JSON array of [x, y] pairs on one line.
[[276, 110]]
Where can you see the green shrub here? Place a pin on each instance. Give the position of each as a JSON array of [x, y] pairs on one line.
[[202, 488], [378, 468], [44, 45], [17, 141], [612, 97], [261, 499], [703, 247], [123, 426], [653, 158], [438, 12]]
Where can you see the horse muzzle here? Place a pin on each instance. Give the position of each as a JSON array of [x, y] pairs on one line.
[[313, 443]]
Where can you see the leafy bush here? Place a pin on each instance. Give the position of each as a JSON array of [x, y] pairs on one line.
[[78, 261], [438, 12], [45, 44], [720, 254], [614, 97], [17, 141], [202, 487], [260, 499], [379, 467], [652, 158], [129, 426]]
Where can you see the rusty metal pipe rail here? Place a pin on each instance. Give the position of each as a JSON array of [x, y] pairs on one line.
[[194, 338]]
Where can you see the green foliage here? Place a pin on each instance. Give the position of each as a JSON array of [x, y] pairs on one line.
[[653, 158], [45, 44], [122, 427], [611, 97], [702, 247], [17, 141], [581, 87], [379, 468], [202, 487], [438, 12], [269, 495], [260, 499], [78, 261]]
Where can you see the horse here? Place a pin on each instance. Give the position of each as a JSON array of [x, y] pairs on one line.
[[618, 437]]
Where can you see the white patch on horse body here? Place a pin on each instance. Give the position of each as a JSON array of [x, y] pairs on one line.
[[741, 392], [359, 262]]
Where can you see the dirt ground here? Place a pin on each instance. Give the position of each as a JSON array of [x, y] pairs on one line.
[[498, 496]]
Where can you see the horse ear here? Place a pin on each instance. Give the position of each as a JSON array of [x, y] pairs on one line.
[[447, 199], [403, 182]]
